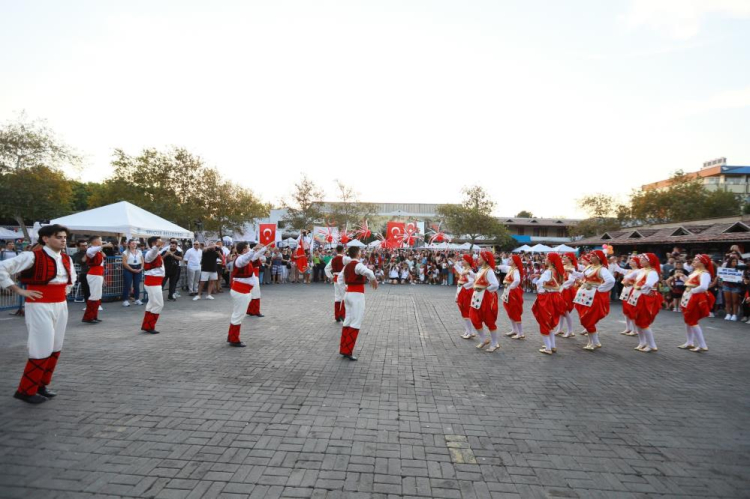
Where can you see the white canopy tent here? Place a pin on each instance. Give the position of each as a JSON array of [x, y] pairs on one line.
[[564, 249], [355, 242], [125, 219], [540, 248], [523, 248], [9, 234], [374, 244]]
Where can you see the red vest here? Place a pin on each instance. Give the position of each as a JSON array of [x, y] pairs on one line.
[[243, 272], [350, 277], [337, 264], [155, 264], [96, 264], [44, 269]]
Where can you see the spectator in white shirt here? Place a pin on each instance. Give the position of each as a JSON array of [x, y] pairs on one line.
[[193, 258], [132, 272]]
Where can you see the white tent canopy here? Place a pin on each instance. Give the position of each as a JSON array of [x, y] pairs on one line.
[[540, 248], [523, 248], [564, 249], [356, 242], [125, 219], [374, 244], [9, 234]]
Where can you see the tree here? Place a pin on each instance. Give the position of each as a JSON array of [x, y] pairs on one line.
[[31, 177], [473, 217], [524, 214], [34, 193], [229, 206], [306, 206], [605, 214], [349, 211]]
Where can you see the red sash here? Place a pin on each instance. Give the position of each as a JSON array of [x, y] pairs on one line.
[[51, 293], [355, 288], [241, 287], [152, 280]]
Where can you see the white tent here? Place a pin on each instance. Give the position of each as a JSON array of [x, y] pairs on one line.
[[374, 244], [540, 248], [523, 248], [291, 242], [122, 218], [356, 242], [564, 249], [9, 234]]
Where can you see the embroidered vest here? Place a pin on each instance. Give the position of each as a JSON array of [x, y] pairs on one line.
[[594, 278], [243, 272], [481, 280], [695, 279], [337, 264], [351, 277], [44, 269]]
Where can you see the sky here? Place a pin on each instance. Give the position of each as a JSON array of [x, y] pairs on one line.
[[539, 102]]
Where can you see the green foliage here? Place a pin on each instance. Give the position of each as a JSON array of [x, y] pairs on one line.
[[524, 214], [348, 210], [473, 218], [34, 193], [305, 209], [25, 143]]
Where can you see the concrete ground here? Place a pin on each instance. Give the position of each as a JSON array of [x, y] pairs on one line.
[[422, 414]]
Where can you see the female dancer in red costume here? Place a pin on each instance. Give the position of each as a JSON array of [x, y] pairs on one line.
[[466, 275], [649, 302], [484, 301], [597, 277], [513, 296], [698, 302], [549, 304]]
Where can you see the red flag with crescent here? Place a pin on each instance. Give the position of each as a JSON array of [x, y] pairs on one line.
[[395, 233], [267, 234]]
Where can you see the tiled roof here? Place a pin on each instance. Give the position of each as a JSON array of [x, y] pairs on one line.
[[699, 233]]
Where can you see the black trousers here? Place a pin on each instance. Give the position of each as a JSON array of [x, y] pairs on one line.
[[173, 278], [85, 286]]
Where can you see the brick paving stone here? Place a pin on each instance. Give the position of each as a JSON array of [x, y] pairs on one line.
[[422, 414]]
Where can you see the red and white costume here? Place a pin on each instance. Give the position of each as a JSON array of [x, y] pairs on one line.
[[254, 307], [355, 276], [484, 299], [513, 295], [334, 270], [568, 293], [464, 290], [628, 280], [153, 277], [599, 278], [50, 273], [649, 303], [95, 279], [244, 279], [699, 304], [549, 304]]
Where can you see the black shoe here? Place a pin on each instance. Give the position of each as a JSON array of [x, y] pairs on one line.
[[259, 315], [151, 331], [92, 321], [44, 392], [31, 399], [350, 357], [239, 344], [97, 320], [171, 299]]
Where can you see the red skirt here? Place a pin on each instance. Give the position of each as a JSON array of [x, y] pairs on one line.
[[487, 313], [547, 310], [514, 307], [598, 310], [464, 301], [699, 307], [646, 310], [567, 295]]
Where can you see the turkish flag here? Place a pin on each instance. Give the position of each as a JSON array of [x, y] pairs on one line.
[[267, 234], [395, 232]]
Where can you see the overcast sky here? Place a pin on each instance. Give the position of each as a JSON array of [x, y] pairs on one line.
[[541, 102]]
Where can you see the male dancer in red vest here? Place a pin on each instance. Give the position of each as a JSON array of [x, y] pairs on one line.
[[243, 281], [95, 278], [254, 308], [333, 271], [356, 276], [47, 274], [153, 270]]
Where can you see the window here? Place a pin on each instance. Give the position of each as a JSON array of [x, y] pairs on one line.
[[536, 231], [520, 231], [561, 232], [543, 231], [738, 227]]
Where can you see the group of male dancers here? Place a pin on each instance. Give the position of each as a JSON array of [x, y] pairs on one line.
[[47, 274]]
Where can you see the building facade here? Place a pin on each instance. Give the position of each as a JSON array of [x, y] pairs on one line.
[[716, 175]]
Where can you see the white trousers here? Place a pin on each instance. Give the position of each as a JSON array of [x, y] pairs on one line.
[[240, 301], [355, 309], [255, 292], [96, 283], [46, 325], [339, 289], [193, 279], [155, 301]]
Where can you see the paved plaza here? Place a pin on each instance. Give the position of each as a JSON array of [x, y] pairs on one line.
[[422, 414]]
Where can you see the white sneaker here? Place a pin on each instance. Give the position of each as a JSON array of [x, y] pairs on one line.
[[209, 297], [196, 297], [734, 318], [177, 295], [727, 317], [138, 302], [100, 308], [711, 314], [126, 303]]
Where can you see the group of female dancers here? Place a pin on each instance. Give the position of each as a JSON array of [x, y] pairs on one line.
[[566, 285]]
